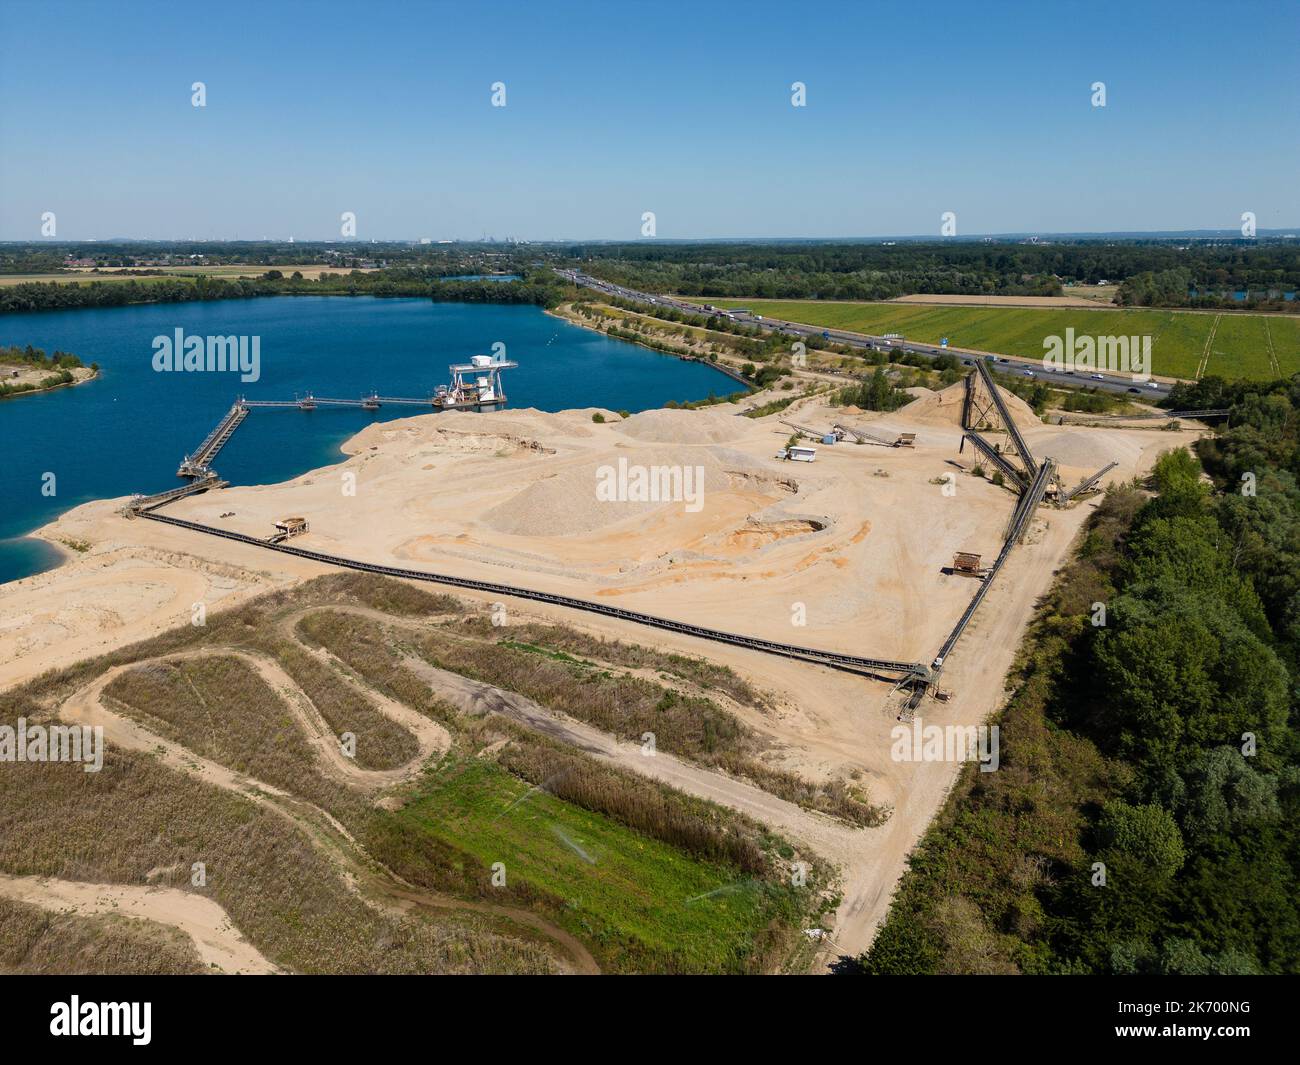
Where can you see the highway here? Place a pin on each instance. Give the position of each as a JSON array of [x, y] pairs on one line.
[[1006, 364]]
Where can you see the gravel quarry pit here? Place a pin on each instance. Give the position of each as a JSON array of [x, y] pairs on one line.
[[845, 553]]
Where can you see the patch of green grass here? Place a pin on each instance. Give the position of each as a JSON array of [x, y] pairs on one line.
[[1178, 337], [639, 904], [1285, 336], [545, 652], [1240, 349]]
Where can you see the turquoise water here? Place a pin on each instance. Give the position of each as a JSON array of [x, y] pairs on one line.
[[127, 431]]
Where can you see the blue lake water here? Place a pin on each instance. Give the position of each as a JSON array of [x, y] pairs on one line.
[[127, 431]]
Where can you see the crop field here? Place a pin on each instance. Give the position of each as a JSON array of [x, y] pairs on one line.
[[1253, 346], [7, 280], [83, 275]]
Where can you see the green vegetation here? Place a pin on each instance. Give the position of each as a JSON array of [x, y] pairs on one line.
[[540, 287], [683, 722], [875, 393], [774, 406], [634, 899], [1161, 744], [620, 861], [35, 941], [1091, 401], [1169, 271], [60, 364], [697, 671], [1240, 346]]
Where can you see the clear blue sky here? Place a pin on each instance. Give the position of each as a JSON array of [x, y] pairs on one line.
[[617, 108]]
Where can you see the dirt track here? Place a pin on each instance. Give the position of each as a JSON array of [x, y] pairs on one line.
[[203, 920], [86, 707]]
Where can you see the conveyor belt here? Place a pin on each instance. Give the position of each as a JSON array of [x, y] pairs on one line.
[[1007, 421], [994, 456], [1088, 482], [909, 670], [1028, 504]]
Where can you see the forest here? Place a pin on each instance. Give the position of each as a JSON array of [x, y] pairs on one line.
[[1163, 272], [537, 287], [1146, 815]]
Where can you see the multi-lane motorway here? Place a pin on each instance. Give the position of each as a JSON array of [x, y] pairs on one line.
[[1150, 392]]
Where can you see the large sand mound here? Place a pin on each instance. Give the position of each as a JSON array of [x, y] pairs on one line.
[[682, 427], [567, 504], [944, 407], [1085, 450]]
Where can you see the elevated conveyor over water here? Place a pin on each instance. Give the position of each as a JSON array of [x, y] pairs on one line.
[[196, 464]]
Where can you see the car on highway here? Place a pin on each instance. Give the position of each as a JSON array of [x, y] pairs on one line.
[[1028, 373]]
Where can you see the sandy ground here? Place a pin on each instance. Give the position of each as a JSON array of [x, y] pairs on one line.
[[25, 374], [852, 545], [204, 921]]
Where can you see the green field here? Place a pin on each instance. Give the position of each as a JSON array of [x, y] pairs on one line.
[[640, 904], [1252, 346], [82, 278]]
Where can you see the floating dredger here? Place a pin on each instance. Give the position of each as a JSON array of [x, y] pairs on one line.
[[475, 384]]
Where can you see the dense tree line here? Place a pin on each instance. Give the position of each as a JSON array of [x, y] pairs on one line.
[[449, 259], [1164, 272], [539, 287], [1158, 750]]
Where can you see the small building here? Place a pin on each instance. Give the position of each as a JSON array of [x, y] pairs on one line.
[[966, 564], [800, 454]]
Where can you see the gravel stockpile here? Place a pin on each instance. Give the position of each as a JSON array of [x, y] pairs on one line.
[[682, 427], [567, 504]]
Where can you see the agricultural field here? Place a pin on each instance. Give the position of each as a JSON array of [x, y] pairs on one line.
[[1184, 344], [9, 280], [233, 271]]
